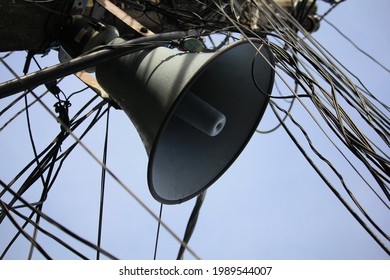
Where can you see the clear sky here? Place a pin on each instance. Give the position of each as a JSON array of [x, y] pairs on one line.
[[269, 205]]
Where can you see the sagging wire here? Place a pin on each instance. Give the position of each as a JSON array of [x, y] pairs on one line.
[[43, 169], [15, 101], [38, 164], [379, 118], [341, 139], [7, 54], [51, 150], [38, 228], [191, 224], [103, 186], [356, 46], [350, 141], [289, 109], [51, 221], [334, 4], [311, 162], [158, 231], [342, 114], [317, 68], [5, 210], [331, 81]]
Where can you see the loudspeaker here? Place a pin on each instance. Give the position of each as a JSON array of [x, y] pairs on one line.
[[195, 112]]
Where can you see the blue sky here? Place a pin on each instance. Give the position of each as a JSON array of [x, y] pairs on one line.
[[269, 205]]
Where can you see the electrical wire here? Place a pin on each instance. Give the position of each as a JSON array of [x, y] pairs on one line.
[[5, 210], [190, 228], [38, 164], [338, 195], [158, 231], [356, 46], [103, 186], [50, 220]]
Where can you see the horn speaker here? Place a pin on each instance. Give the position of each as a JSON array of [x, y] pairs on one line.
[[195, 112]]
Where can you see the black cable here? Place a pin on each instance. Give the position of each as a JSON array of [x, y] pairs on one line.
[[43, 198], [269, 95], [191, 224], [325, 180], [49, 152], [366, 119], [47, 233], [4, 208], [32, 142], [158, 232], [356, 46], [12, 241], [54, 223], [103, 186], [284, 118]]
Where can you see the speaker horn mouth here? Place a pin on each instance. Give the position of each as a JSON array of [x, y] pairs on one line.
[[185, 160]]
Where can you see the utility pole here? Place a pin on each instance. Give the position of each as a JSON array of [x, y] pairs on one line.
[[25, 25]]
